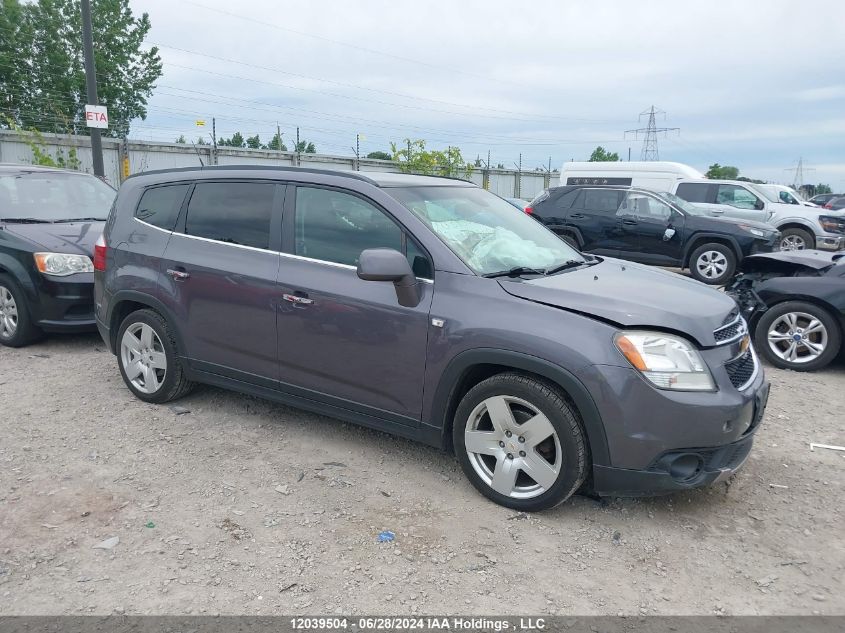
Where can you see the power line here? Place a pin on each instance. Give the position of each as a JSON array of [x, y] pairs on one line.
[[651, 131]]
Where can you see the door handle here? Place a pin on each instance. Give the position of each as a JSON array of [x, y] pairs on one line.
[[577, 216], [630, 222], [297, 300], [178, 275]]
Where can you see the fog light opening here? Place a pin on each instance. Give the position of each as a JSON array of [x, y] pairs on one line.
[[685, 467]]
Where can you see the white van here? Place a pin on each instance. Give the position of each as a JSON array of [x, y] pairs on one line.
[[656, 175]]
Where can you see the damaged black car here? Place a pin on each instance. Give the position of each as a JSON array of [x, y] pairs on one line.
[[794, 304]]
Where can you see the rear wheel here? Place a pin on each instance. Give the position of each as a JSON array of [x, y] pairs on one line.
[[796, 240], [797, 335], [16, 327], [148, 359], [520, 443], [713, 264]]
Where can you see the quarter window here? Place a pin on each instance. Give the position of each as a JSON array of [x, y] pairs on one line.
[[693, 191], [736, 196], [605, 201], [160, 206], [232, 212], [335, 227]]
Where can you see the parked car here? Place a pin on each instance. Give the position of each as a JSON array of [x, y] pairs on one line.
[[782, 193], [800, 226], [49, 220], [835, 204], [392, 300], [823, 198], [652, 228], [519, 203], [794, 302]]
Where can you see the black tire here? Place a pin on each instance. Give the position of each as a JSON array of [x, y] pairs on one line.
[[774, 314], [547, 399], [175, 384], [25, 331], [790, 239], [723, 265]]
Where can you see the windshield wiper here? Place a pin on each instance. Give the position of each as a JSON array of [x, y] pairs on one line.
[[571, 263], [26, 220], [80, 220], [516, 272]]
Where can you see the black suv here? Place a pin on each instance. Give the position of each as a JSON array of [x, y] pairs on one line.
[[49, 221], [652, 228]]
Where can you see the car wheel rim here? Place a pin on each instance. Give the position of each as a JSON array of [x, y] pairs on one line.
[[792, 243], [8, 314], [513, 447], [797, 337], [712, 264], [143, 358]]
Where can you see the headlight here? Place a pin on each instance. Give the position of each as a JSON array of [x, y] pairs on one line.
[[62, 265], [668, 362], [832, 224], [752, 230]]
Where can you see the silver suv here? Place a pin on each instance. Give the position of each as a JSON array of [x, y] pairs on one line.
[[432, 309]]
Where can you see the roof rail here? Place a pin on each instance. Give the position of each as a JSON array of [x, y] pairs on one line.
[[328, 172]]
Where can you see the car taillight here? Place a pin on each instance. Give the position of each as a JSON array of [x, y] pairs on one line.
[[529, 210], [829, 205], [100, 251]]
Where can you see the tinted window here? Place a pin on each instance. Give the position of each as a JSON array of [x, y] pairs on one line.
[[600, 200], [418, 260], [160, 206], [335, 227], [735, 196], [645, 208], [565, 200], [693, 191], [232, 212]]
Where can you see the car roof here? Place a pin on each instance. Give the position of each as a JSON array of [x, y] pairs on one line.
[[379, 179]]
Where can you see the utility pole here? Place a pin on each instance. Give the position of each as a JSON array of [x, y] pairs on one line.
[[517, 185], [213, 141], [409, 153], [651, 131], [296, 149], [629, 154], [357, 152], [91, 86], [279, 135]]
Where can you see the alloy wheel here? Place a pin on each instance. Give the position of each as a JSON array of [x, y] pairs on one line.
[[513, 447], [711, 264], [143, 358], [8, 314], [792, 243], [797, 337]]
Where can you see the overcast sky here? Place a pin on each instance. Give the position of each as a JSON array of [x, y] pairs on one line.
[[755, 84]]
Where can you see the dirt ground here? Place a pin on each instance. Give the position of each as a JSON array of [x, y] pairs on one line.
[[242, 506]]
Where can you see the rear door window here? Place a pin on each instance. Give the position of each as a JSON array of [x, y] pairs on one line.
[[693, 191], [645, 208], [232, 212], [601, 201], [160, 206]]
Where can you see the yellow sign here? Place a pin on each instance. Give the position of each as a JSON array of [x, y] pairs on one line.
[[125, 167], [200, 123]]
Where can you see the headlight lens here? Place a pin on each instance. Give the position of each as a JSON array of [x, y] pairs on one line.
[[61, 265], [668, 362], [752, 230], [832, 224]]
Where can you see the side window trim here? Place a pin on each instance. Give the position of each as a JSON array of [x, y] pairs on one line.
[[280, 193], [185, 199], [289, 226]]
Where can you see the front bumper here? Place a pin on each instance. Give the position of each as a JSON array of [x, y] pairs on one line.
[[683, 468], [827, 243], [64, 304]]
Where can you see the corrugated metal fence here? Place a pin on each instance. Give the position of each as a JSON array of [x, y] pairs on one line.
[[148, 155]]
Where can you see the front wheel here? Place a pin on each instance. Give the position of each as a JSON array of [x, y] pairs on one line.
[[520, 442], [16, 327], [797, 335], [148, 358], [713, 264], [796, 240]]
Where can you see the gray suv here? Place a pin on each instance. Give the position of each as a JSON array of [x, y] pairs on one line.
[[432, 309]]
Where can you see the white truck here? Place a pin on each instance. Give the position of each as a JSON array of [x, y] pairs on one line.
[[801, 227]]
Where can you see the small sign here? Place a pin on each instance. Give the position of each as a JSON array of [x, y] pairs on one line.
[[96, 116], [200, 123]]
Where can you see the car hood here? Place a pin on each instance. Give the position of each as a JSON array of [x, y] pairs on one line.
[[65, 237], [783, 260], [632, 296]]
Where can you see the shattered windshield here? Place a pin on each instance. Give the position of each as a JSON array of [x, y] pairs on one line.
[[486, 232]]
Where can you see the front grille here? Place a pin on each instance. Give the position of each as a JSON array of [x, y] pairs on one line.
[[729, 456], [741, 369], [730, 332]]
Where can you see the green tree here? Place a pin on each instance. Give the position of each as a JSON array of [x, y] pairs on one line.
[[237, 140], [719, 172], [412, 157], [48, 77], [380, 156], [181, 139], [277, 144], [201, 141], [744, 179], [253, 142], [304, 147], [822, 188], [601, 155]]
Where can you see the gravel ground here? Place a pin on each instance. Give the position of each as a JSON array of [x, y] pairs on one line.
[[242, 506]]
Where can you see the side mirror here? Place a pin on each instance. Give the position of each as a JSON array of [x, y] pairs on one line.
[[759, 205], [387, 264]]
